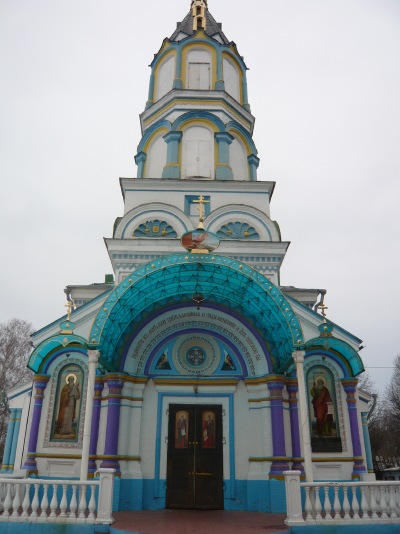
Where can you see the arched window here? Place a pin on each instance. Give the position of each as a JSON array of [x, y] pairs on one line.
[[198, 153], [231, 79], [238, 160], [156, 157], [199, 69], [165, 77]]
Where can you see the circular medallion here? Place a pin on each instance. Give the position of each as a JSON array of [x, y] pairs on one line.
[[196, 356]]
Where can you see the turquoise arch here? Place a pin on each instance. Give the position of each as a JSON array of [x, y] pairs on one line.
[[177, 278], [41, 352], [332, 346]]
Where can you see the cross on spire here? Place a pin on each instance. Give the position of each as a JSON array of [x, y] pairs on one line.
[[201, 209]]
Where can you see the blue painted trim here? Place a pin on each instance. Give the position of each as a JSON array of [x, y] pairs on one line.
[[9, 441], [247, 215], [29, 388], [150, 131], [198, 114], [233, 125]]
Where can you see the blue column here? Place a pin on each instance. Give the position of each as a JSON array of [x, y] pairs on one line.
[[219, 84], [150, 100], [172, 168], [140, 159], [178, 84], [246, 105], [254, 162], [367, 442], [14, 444], [5, 468], [223, 171]]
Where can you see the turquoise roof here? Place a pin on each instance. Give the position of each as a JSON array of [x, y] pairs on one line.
[[177, 278]]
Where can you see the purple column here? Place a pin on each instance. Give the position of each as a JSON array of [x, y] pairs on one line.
[[292, 388], [115, 384], [279, 463], [94, 435], [39, 382], [350, 387]]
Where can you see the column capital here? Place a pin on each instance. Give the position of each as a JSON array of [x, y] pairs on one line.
[[298, 356], [93, 355], [140, 157], [350, 387], [223, 137], [172, 136], [253, 160]]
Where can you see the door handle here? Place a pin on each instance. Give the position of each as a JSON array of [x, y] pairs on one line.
[[201, 474]]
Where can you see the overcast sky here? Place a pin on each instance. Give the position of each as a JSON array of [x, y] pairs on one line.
[[324, 86]]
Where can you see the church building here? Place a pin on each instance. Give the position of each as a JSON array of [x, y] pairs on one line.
[[201, 356]]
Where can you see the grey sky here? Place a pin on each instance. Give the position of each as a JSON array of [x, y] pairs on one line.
[[324, 87]]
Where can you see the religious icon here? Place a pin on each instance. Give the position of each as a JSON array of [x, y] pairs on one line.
[[163, 363], [208, 441], [200, 240], [181, 430], [68, 404], [228, 364], [321, 388]]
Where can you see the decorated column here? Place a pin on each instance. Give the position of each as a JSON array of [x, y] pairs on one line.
[[98, 390], [115, 384], [279, 463], [39, 383], [93, 356], [292, 388], [350, 387], [367, 442], [298, 357], [171, 169], [5, 468], [14, 444]]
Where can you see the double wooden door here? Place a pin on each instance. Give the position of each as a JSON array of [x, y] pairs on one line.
[[194, 464]]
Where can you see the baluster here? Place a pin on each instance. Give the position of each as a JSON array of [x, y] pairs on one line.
[[327, 505], [354, 503], [374, 504], [26, 503], [45, 500], [82, 501], [35, 500], [7, 500], [317, 503], [2, 495], [54, 501], [92, 502], [308, 506], [17, 500], [396, 490], [383, 502], [336, 504], [346, 502], [63, 503], [73, 501], [392, 502]]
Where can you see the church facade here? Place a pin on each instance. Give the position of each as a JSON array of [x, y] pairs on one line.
[[195, 402]]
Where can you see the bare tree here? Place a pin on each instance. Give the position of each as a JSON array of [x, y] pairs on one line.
[[15, 346]]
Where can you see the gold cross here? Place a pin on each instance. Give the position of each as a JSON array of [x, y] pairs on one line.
[[323, 309], [201, 208], [70, 307]]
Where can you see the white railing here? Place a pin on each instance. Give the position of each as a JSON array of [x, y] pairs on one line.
[[347, 503], [57, 501]]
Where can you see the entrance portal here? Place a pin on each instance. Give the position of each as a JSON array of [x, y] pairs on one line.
[[194, 465]]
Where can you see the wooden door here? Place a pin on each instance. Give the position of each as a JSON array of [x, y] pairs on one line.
[[194, 465]]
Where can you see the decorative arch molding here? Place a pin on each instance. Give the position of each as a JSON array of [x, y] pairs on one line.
[[340, 351], [316, 362], [157, 210], [155, 228], [198, 115], [177, 320], [247, 214], [39, 357], [160, 127], [175, 279], [233, 128], [238, 230]]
